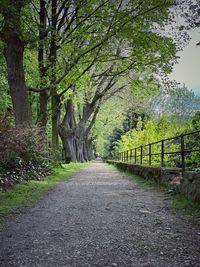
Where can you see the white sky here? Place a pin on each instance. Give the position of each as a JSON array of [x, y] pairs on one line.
[[187, 71]]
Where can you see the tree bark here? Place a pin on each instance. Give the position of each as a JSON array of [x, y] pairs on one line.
[[43, 115], [69, 145], [74, 137], [55, 106], [67, 133], [54, 96], [14, 50], [89, 149]]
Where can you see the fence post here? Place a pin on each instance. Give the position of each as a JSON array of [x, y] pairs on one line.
[[162, 153], [183, 153], [141, 155], [150, 154]]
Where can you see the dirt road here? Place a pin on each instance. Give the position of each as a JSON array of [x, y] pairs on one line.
[[99, 217]]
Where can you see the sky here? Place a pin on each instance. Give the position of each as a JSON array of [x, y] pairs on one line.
[[187, 71]]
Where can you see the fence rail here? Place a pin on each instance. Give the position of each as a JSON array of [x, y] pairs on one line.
[[179, 151]]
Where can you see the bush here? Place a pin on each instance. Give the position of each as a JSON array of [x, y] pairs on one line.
[[23, 154]]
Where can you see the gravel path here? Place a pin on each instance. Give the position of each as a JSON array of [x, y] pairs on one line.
[[100, 218]]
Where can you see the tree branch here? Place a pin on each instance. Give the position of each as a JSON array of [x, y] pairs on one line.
[[93, 119], [86, 18], [37, 90], [64, 91]]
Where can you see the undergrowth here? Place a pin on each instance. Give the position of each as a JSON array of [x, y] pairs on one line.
[[27, 193]]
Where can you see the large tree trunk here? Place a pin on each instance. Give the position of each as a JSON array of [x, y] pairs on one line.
[[14, 50], [54, 96], [81, 146], [43, 115], [89, 149], [74, 145], [55, 102], [69, 144], [74, 137], [67, 133]]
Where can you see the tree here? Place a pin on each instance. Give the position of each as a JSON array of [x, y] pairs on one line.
[[141, 58], [181, 103], [6, 116], [189, 10], [44, 95], [90, 50], [185, 17], [110, 116], [11, 35]]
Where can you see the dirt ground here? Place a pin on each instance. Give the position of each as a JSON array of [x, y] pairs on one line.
[[99, 217]]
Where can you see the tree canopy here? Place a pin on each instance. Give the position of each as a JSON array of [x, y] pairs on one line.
[[66, 59]]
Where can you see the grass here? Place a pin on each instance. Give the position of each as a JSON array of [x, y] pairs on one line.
[[27, 193], [179, 200]]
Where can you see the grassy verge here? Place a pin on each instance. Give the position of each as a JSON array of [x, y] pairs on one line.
[[27, 193], [179, 200]]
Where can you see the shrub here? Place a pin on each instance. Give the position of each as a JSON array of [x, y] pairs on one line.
[[22, 144], [23, 154]]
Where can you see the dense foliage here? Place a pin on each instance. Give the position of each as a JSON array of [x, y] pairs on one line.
[[64, 59], [23, 154], [156, 129]]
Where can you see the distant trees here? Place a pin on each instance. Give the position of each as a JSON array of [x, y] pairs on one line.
[[166, 114], [132, 121], [180, 103]]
